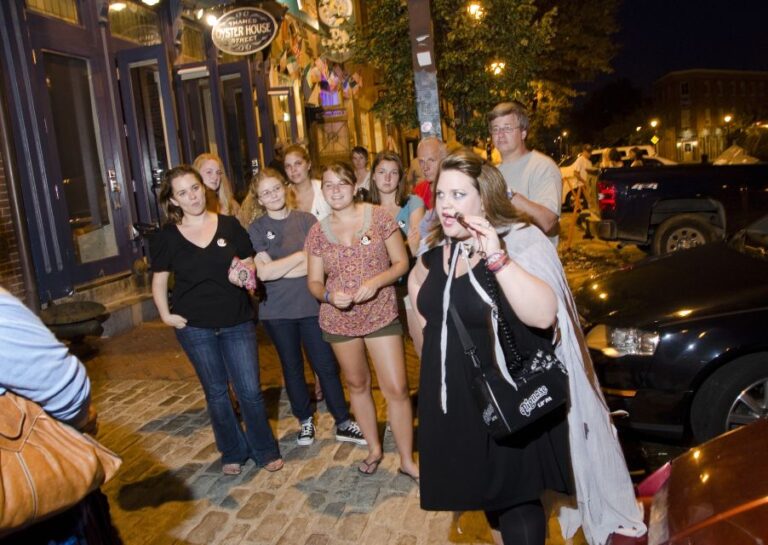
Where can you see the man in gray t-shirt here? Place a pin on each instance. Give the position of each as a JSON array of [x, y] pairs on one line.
[[533, 179]]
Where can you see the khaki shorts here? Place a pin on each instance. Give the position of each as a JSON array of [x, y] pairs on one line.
[[393, 328]]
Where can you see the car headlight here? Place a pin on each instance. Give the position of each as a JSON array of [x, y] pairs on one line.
[[616, 342]]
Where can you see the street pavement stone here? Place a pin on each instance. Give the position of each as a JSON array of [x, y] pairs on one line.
[[170, 489]]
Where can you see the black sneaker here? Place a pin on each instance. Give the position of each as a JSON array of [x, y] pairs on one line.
[[351, 434], [306, 434]]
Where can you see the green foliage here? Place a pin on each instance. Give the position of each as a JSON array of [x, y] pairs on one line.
[[384, 45], [546, 46]]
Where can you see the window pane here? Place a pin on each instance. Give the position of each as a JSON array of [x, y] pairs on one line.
[[135, 23], [61, 9], [83, 176]]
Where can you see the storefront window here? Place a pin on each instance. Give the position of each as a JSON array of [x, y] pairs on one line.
[[192, 45], [84, 179], [61, 9], [135, 23]]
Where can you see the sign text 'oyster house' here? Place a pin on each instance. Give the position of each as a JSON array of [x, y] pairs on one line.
[[244, 31]]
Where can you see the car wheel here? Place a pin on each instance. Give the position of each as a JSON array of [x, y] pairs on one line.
[[682, 232], [733, 396]]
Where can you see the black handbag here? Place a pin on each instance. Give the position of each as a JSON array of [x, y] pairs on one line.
[[540, 379]]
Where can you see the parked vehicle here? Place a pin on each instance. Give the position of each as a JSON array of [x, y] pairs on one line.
[[679, 206], [714, 494], [570, 182], [679, 341]]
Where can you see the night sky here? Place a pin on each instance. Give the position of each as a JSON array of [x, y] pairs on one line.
[[661, 36]]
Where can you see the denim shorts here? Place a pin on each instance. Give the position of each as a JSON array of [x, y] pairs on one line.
[[392, 328]]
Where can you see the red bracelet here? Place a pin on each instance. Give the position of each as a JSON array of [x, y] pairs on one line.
[[497, 261], [502, 264]]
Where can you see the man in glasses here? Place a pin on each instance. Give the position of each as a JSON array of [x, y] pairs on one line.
[[533, 179]]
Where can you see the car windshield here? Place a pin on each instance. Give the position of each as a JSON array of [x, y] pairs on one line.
[[754, 239], [567, 161]]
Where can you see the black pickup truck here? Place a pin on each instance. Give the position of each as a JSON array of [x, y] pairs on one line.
[[667, 209]]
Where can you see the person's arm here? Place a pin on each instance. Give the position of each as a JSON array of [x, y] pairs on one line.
[[414, 235], [398, 257], [36, 365], [542, 217], [316, 284], [160, 296], [532, 299], [290, 266], [415, 280]]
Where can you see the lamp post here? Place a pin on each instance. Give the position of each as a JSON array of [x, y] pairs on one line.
[[727, 118], [655, 138], [564, 134]]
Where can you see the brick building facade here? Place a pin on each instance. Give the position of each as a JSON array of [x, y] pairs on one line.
[[10, 262], [693, 106]]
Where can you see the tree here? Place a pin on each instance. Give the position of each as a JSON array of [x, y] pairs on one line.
[[543, 54]]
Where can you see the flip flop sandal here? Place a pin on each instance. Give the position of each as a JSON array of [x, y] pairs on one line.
[[231, 469], [415, 479], [369, 468], [275, 465]]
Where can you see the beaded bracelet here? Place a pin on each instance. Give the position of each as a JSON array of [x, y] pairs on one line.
[[501, 265], [494, 257], [327, 296], [497, 261]]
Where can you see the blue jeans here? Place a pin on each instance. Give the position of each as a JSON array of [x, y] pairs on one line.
[[288, 336], [229, 355]]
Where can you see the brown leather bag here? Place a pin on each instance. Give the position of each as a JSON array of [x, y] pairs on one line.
[[45, 466]]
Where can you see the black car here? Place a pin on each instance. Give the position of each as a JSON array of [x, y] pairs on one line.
[[680, 341]]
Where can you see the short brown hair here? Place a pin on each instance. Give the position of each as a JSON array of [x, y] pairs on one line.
[[490, 184], [343, 170], [515, 108], [173, 213]]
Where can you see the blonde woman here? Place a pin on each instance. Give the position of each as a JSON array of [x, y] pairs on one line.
[[289, 312], [215, 178], [354, 256]]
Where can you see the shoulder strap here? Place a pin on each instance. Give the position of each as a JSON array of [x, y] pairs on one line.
[[466, 341]]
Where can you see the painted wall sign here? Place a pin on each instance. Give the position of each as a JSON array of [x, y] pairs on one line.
[[244, 30]]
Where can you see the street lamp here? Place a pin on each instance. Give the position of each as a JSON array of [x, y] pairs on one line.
[[496, 68], [727, 118], [475, 10], [638, 128], [654, 123]]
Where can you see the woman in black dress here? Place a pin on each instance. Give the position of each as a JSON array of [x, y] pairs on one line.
[[462, 466]]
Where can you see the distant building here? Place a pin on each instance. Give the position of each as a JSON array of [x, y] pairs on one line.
[[693, 106]]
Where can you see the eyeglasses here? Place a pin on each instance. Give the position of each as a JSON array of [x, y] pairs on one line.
[[270, 192], [504, 129]]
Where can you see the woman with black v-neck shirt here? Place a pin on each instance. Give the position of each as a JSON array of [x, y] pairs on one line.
[[213, 317]]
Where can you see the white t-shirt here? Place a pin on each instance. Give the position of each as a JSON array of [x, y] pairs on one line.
[[536, 177], [580, 167], [320, 207]]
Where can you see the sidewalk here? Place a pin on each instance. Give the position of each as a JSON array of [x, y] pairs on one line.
[[170, 489]]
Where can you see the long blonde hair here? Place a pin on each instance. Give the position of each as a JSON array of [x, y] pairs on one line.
[[252, 209], [227, 205]]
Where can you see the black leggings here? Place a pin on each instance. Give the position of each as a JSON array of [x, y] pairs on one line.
[[522, 524]]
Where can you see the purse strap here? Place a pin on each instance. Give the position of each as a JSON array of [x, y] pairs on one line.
[[511, 353], [466, 340]]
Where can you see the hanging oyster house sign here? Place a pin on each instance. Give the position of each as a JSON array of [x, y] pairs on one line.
[[243, 31]]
